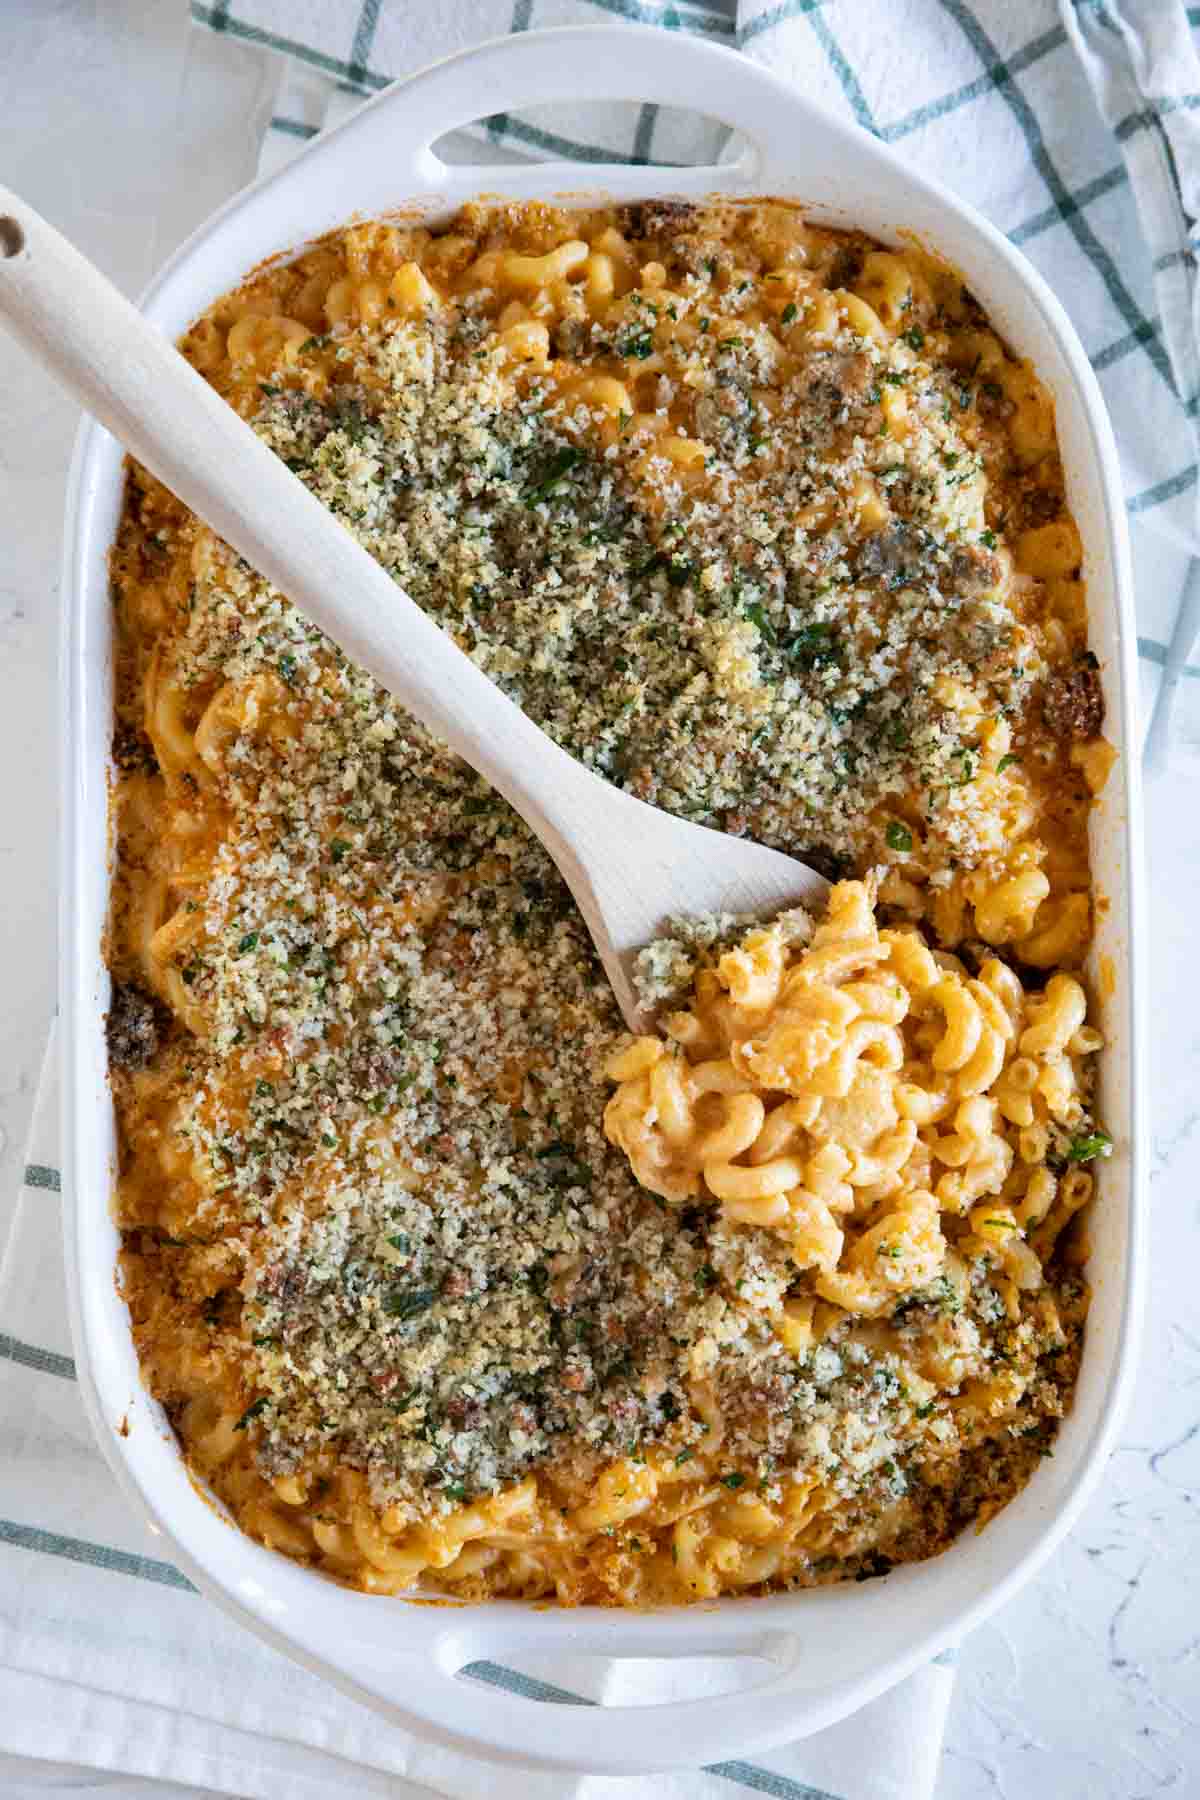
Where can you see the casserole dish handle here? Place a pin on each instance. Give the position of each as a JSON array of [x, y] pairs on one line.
[[470, 1701], [639, 64]]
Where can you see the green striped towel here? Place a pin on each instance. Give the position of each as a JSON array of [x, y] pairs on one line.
[[1073, 124], [110, 1659]]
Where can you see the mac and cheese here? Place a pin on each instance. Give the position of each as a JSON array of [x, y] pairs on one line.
[[765, 524]]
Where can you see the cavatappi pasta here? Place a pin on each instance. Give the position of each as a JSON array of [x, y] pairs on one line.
[[857, 1095], [766, 525]]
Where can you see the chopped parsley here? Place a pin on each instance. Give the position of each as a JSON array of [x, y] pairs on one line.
[[408, 1303], [757, 616], [552, 477], [1087, 1148], [253, 1411]]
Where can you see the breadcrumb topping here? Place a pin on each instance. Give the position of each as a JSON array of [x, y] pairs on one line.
[[392, 1106]]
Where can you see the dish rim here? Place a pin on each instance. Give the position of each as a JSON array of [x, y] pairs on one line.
[[258, 1587]]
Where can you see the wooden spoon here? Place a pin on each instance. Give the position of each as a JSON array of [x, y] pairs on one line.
[[629, 865]]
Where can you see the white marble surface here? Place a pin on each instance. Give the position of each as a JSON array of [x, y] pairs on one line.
[[126, 129]]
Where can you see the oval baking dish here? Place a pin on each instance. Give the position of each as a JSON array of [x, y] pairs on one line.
[[829, 1649]]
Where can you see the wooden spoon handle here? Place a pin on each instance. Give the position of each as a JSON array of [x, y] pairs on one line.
[[134, 382]]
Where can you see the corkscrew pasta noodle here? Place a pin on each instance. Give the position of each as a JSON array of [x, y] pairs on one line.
[[766, 524]]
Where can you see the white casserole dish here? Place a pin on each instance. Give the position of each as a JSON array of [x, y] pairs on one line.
[[832, 1649]]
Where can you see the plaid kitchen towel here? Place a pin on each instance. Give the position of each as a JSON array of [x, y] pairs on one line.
[[109, 1659], [1074, 125], [1142, 63]]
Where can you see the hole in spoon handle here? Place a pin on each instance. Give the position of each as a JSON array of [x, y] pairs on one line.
[[12, 237]]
